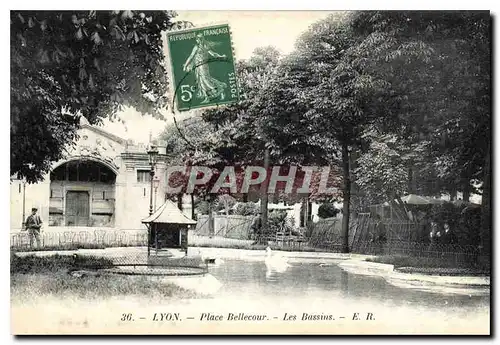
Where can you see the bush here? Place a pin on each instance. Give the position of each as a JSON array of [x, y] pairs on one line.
[[247, 209], [202, 207], [277, 221], [327, 211], [54, 263]]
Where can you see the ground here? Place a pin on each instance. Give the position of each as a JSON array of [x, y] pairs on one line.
[[34, 277]]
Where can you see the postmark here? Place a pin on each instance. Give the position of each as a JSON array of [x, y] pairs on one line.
[[203, 68]]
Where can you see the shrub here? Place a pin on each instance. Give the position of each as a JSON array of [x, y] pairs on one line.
[[277, 221], [202, 207], [327, 211], [247, 209]]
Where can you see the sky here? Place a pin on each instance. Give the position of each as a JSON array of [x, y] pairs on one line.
[[250, 30]]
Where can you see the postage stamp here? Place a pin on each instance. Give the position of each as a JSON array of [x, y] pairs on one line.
[[203, 67]]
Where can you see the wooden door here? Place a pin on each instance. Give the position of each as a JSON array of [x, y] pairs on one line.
[[77, 208]]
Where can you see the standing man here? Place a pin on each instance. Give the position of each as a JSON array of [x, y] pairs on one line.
[[33, 225]]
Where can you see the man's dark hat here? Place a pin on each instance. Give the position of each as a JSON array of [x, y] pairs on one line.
[[34, 209]]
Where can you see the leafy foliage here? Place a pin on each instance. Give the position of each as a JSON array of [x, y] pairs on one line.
[[225, 202], [436, 68], [327, 210], [80, 63], [278, 221], [246, 209]]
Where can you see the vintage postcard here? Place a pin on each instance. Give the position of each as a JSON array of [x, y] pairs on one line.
[[250, 172]]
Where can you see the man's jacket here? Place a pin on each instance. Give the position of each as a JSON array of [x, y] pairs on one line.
[[33, 222]]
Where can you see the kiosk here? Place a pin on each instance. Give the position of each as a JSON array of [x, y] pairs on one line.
[[168, 228]]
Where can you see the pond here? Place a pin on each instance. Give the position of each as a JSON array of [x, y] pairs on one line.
[[310, 296], [317, 280], [316, 288]]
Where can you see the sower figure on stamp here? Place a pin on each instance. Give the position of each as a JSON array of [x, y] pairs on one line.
[[33, 225], [207, 86]]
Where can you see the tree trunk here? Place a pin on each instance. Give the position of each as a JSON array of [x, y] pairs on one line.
[[226, 230], [210, 218], [411, 185], [355, 190], [264, 196], [304, 212], [309, 211], [192, 207], [466, 189], [486, 207], [453, 194], [179, 201], [346, 197]]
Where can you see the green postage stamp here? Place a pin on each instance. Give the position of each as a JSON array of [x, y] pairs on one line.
[[202, 67]]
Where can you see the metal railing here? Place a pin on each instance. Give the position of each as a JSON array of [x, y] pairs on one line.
[[135, 241], [90, 239]]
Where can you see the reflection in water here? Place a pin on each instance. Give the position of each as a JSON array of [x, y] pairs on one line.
[[275, 264], [254, 279]]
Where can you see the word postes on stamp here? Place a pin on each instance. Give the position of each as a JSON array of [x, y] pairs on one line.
[[203, 68]]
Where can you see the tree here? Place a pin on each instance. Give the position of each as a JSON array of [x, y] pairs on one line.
[[384, 170], [445, 95], [239, 140], [448, 98], [333, 96], [80, 63]]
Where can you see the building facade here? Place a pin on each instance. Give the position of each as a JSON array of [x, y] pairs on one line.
[[103, 183]]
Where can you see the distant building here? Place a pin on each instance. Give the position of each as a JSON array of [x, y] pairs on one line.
[[104, 182]]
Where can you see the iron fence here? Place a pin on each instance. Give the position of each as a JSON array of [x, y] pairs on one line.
[[454, 254], [124, 252], [129, 247], [79, 239]]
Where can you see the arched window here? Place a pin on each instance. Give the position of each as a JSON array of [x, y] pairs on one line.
[[83, 171]]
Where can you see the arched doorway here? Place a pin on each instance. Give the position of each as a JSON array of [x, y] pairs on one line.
[[82, 193]]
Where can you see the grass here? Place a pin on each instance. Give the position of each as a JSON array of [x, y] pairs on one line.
[[176, 262], [33, 277], [55, 263], [423, 264], [31, 286]]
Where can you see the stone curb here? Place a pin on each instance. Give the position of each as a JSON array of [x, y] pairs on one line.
[[231, 253], [468, 285]]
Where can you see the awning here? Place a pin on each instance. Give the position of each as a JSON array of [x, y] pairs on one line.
[[168, 213]]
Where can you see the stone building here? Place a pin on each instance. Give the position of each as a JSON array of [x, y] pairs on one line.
[[103, 183]]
